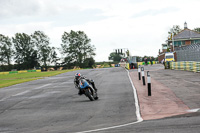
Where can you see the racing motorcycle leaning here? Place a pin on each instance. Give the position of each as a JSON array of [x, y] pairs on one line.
[[87, 89]]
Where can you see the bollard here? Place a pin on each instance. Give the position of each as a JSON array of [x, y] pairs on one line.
[[149, 83], [139, 72], [143, 78]]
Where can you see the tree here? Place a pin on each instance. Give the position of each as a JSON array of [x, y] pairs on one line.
[[116, 57], [6, 51], [41, 41], [89, 62], [54, 57], [76, 48], [25, 54], [173, 31], [197, 30]]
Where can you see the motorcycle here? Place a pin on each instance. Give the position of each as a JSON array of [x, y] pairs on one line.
[[88, 90]]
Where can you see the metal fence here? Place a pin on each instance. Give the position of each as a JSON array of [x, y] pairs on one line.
[[188, 53]]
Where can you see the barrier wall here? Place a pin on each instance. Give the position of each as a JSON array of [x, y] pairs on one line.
[[186, 66], [127, 66]]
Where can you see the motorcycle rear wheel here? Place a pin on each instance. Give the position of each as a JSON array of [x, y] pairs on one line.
[[88, 93]]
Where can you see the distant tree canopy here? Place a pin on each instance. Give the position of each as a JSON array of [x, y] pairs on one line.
[[25, 54], [6, 50], [76, 49], [116, 57], [27, 51], [23, 51], [173, 31], [197, 30], [41, 41]]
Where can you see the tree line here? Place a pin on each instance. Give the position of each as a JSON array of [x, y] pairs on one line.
[[116, 57], [23, 51]]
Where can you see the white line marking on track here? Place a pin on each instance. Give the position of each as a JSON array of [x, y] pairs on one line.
[[24, 92], [21, 93], [42, 86], [98, 74], [139, 118], [68, 82], [102, 129], [193, 110]]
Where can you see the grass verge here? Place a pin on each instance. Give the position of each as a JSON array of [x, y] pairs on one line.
[[12, 79]]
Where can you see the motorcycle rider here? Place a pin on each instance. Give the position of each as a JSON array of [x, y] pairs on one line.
[[78, 77]]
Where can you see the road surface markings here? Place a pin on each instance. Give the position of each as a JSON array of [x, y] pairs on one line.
[[24, 92], [21, 93], [139, 118], [42, 86], [107, 128], [99, 74], [193, 110]]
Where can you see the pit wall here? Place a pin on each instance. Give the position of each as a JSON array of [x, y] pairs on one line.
[[186, 66]]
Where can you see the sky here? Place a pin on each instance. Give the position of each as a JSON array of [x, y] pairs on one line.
[[138, 25]]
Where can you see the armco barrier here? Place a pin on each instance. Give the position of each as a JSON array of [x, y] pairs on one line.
[[186, 66]]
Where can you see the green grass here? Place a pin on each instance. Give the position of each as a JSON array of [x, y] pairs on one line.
[[12, 79]]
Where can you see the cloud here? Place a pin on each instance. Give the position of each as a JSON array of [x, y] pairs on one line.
[[76, 17], [17, 8], [139, 25], [154, 12], [60, 14]]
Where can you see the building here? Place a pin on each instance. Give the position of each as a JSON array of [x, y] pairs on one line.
[[183, 38], [161, 54]]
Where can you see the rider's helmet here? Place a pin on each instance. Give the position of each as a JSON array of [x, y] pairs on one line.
[[77, 75]]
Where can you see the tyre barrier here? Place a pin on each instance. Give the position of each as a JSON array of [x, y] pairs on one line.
[[185, 66], [127, 66], [24, 71]]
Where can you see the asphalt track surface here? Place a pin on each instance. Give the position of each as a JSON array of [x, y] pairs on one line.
[[52, 105]]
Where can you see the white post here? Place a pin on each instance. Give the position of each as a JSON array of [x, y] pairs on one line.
[[139, 72]]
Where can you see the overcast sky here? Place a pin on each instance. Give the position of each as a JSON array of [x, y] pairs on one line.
[[139, 25]]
